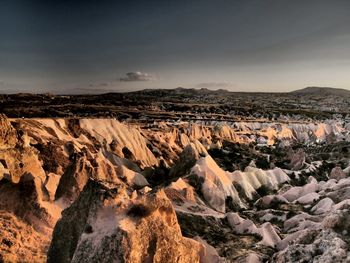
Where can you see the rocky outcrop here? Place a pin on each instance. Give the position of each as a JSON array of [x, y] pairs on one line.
[[107, 131], [24, 219], [219, 187], [8, 135], [187, 159], [45, 164], [216, 186], [105, 225], [22, 188]]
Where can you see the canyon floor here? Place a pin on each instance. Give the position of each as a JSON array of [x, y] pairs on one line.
[[178, 175]]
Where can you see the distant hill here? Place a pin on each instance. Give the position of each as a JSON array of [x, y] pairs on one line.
[[322, 91], [181, 90]]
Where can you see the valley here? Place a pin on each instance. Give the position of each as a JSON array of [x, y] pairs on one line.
[[179, 175]]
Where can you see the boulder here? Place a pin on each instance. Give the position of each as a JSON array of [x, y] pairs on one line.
[[337, 173]]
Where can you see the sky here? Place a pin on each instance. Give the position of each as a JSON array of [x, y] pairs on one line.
[[94, 46]]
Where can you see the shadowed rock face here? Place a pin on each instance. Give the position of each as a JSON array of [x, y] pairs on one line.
[[69, 228], [187, 159], [105, 225]]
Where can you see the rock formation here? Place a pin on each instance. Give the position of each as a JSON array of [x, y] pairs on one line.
[[102, 190], [105, 224]]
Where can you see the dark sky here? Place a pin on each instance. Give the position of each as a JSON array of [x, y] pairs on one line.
[[247, 45]]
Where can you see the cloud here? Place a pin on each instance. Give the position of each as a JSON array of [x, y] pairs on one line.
[[215, 85], [138, 76]]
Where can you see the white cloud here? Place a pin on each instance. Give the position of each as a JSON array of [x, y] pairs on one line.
[[138, 76]]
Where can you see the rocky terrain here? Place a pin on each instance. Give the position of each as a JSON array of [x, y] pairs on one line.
[[195, 176], [312, 103]]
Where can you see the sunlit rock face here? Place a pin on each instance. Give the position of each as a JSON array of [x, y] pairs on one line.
[[132, 143], [218, 185], [19, 241], [8, 135], [24, 218]]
